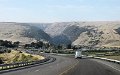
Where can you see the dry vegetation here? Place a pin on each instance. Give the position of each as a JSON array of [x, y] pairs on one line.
[[17, 56]]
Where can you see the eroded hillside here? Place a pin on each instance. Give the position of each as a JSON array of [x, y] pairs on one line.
[[99, 33], [21, 32]]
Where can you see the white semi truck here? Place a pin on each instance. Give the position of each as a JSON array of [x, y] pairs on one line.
[[78, 54]]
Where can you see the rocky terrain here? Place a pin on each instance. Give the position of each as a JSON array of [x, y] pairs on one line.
[[98, 33], [22, 32]]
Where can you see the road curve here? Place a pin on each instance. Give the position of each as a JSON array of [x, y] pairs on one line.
[[94, 67], [71, 66], [53, 68]]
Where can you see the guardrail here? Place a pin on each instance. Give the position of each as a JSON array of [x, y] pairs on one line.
[[106, 59], [21, 64]]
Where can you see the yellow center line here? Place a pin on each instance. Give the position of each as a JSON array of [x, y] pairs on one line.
[[69, 68]]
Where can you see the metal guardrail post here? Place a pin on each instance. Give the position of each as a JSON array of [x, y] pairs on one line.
[[14, 65]]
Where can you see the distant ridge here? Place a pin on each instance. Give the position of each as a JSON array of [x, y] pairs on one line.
[[22, 32], [87, 33]]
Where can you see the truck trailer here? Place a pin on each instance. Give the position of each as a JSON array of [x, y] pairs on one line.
[[78, 54]]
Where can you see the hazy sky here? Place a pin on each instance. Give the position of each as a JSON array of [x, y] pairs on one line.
[[59, 10]]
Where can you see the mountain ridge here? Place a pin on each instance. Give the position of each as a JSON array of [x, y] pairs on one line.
[[22, 32], [95, 33], [101, 33]]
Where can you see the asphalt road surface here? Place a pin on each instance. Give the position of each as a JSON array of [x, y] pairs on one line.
[[71, 66], [54, 68], [94, 67]]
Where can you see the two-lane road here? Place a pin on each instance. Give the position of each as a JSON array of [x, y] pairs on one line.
[[71, 66], [94, 67], [54, 68]]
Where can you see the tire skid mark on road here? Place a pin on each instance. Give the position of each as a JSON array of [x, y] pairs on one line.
[[69, 68], [36, 70]]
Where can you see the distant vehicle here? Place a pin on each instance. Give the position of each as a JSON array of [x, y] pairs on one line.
[[78, 54]]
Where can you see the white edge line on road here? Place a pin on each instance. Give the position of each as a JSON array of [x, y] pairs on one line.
[[112, 67], [108, 61]]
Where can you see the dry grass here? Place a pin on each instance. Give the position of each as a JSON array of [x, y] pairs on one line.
[[17, 56]]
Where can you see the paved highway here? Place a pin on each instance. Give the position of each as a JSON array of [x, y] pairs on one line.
[[94, 67], [54, 68], [71, 66]]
